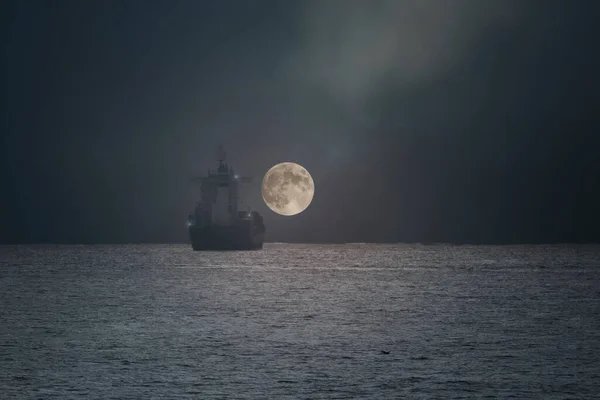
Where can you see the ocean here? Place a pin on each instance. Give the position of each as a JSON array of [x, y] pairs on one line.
[[291, 321]]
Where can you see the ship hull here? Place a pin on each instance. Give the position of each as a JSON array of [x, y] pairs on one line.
[[226, 238]]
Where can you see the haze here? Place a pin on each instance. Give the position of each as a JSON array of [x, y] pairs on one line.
[[463, 121]]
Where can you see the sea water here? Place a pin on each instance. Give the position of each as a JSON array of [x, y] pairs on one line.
[[356, 321]]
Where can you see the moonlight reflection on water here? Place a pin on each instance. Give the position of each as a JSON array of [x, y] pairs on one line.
[[356, 321]]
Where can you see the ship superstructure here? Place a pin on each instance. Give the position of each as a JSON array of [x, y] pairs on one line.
[[217, 223]]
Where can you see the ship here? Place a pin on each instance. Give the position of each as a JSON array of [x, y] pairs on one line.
[[217, 223]]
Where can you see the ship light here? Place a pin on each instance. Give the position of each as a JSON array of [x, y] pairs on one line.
[[236, 176]]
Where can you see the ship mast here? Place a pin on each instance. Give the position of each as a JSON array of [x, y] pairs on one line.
[[221, 155]]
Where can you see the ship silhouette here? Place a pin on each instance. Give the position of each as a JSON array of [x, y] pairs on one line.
[[216, 222]]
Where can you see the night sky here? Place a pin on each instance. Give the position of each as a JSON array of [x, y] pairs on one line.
[[462, 121]]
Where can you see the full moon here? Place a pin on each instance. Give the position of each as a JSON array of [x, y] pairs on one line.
[[288, 188]]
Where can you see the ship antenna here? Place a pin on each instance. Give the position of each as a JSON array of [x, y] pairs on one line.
[[221, 155]]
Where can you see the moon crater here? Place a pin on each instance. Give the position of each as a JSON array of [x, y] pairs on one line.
[[288, 188]]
